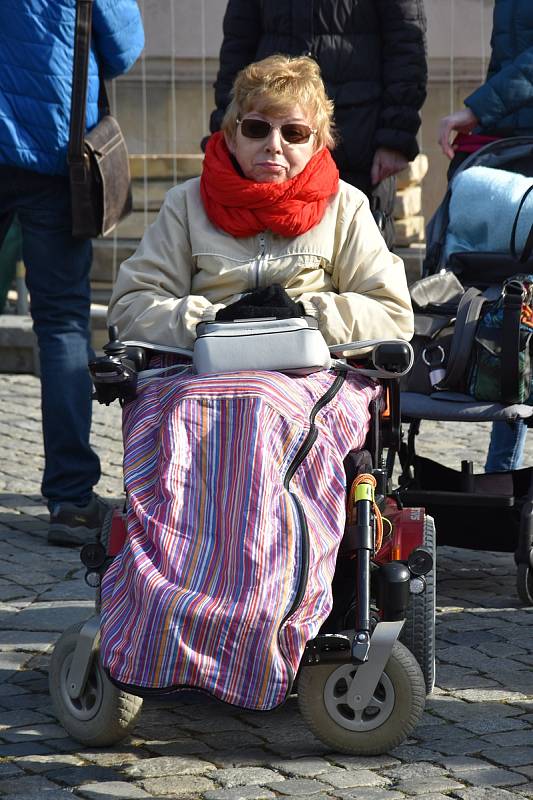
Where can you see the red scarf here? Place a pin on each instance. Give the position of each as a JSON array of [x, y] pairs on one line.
[[244, 208]]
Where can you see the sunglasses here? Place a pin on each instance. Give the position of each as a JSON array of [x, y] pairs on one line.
[[291, 132]]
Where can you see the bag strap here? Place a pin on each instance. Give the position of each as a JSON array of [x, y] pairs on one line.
[[510, 375], [80, 71], [468, 313], [528, 247]]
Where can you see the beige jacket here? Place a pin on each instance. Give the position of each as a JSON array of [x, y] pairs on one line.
[[185, 269]]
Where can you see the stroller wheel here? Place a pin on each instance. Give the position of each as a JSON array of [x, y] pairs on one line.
[[418, 633], [103, 714], [393, 712], [524, 584]]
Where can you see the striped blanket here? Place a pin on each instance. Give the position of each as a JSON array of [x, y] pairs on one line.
[[236, 507]]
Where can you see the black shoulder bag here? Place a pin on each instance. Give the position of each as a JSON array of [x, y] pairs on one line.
[[98, 161]]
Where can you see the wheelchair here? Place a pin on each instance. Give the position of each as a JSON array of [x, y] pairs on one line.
[[363, 680], [484, 511]]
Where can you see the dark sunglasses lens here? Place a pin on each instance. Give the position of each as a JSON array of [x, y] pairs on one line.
[[292, 132], [255, 128], [295, 134]]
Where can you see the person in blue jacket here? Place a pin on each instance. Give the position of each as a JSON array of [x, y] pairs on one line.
[[502, 106], [36, 61]]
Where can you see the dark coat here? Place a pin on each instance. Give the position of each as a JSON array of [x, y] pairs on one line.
[[373, 61], [504, 103]]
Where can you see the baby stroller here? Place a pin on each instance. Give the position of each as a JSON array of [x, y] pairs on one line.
[[363, 679], [487, 511]]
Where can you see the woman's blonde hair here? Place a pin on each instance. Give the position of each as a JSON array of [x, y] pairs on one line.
[[274, 86]]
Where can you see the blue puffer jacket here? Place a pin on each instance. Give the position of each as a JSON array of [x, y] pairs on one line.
[[504, 103], [36, 56]]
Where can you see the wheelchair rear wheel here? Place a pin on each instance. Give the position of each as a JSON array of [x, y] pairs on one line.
[[418, 633], [102, 715], [392, 714]]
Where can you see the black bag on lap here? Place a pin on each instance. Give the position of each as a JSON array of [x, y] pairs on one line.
[[272, 301]]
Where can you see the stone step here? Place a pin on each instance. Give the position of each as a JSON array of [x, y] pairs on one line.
[[410, 230], [108, 256], [413, 258], [151, 195], [19, 352], [99, 334], [133, 226], [18, 344], [156, 166], [414, 173], [408, 202]]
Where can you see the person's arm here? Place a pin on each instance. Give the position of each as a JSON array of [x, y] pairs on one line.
[[463, 121], [242, 31], [118, 35], [504, 92], [151, 300], [372, 299], [404, 76]]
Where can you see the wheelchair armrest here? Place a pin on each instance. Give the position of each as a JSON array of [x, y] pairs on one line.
[[137, 357], [392, 356], [389, 358]]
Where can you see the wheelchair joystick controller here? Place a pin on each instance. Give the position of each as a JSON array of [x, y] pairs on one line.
[[112, 374], [114, 349]]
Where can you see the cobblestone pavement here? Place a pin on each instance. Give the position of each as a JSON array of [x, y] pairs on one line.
[[475, 740]]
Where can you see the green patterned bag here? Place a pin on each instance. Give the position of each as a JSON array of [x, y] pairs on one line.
[[502, 367]]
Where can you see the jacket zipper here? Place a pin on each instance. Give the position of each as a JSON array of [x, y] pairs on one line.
[[300, 456], [261, 258]]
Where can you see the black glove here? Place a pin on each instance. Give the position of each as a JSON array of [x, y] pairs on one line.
[[273, 301]]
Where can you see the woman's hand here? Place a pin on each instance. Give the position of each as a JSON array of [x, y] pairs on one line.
[[386, 163], [463, 121]]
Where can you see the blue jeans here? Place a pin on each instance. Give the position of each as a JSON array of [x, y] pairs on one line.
[[57, 276], [506, 447]]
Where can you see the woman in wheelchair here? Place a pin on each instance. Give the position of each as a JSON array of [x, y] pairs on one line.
[[235, 481]]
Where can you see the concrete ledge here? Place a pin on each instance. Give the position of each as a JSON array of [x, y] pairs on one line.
[[18, 345], [19, 351]]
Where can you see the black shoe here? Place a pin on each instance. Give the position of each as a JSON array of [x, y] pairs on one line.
[[73, 526]]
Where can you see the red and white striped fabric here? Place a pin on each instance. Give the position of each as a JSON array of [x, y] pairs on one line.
[[227, 567]]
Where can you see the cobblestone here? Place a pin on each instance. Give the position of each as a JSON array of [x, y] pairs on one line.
[[157, 767], [299, 787], [240, 793], [475, 741], [244, 776], [183, 787]]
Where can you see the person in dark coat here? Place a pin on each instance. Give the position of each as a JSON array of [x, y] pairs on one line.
[[372, 56], [36, 61], [501, 107]]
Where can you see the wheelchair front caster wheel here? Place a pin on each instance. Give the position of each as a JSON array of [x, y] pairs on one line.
[[102, 715], [524, 583], [395, 709]]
